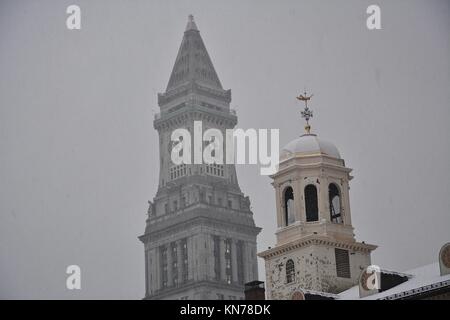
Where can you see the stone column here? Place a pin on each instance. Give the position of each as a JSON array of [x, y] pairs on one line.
[[222, 259], [180, 259], [297, 191], [234, 264], [248, 255], [157, 269], [190, 253], [211, 258], [153, 270], [322, 197], [279, 206], [147, 277], [245, 263], [301, 200], [254, 262], [203, 256], [345, 203], [169, 265]]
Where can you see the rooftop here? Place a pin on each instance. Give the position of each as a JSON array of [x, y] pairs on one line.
[[420, 280]]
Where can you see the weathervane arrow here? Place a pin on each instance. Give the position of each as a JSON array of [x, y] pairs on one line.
[[306, 113]]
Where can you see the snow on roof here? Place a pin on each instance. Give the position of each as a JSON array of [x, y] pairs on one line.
[[310, 143], [401, 274], [422, 279], [320, 293]]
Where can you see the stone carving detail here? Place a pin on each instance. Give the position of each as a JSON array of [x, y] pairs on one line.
[[245, 204], [151, 209]]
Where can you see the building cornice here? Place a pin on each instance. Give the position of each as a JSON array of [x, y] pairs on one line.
[[190, 285], [314, 165], [201, 216], [177, 118], [193, 87], [316, 240]]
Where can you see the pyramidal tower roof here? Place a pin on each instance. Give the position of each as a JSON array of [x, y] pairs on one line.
[[193, 62]]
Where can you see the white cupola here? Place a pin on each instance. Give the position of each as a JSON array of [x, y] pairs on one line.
[[316, 247]]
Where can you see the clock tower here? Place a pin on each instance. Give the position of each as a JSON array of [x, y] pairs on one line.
[[200, 236]]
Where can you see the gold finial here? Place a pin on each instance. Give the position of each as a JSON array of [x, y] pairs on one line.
[[306, 113], [308, 129]]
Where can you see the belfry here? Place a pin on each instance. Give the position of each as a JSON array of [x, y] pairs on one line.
[[200, 236], [316, 248]]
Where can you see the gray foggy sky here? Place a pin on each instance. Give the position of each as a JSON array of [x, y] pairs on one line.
[[79, 155]]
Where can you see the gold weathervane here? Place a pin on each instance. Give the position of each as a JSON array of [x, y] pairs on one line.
[[306, 113]]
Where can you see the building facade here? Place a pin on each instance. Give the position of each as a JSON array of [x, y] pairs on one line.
[[200, 236], [316, 248]]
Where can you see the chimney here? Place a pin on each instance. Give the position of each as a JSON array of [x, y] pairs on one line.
[[255, 290]]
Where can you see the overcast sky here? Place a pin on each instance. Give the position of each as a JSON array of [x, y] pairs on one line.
[[79, 155]]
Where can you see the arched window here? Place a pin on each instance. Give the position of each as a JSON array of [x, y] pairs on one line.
[[334, 197], [290, 271], [289, 216], [312, 210]]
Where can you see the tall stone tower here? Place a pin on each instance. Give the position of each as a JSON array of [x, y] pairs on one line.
[[316, 248], [200, 236]]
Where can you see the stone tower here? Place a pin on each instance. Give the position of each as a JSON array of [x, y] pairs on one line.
[[316, 248], [200, 236]]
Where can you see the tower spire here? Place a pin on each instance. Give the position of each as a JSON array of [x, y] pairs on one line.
[[193, 63], [306, 112], [191, 23], [194, 93]]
